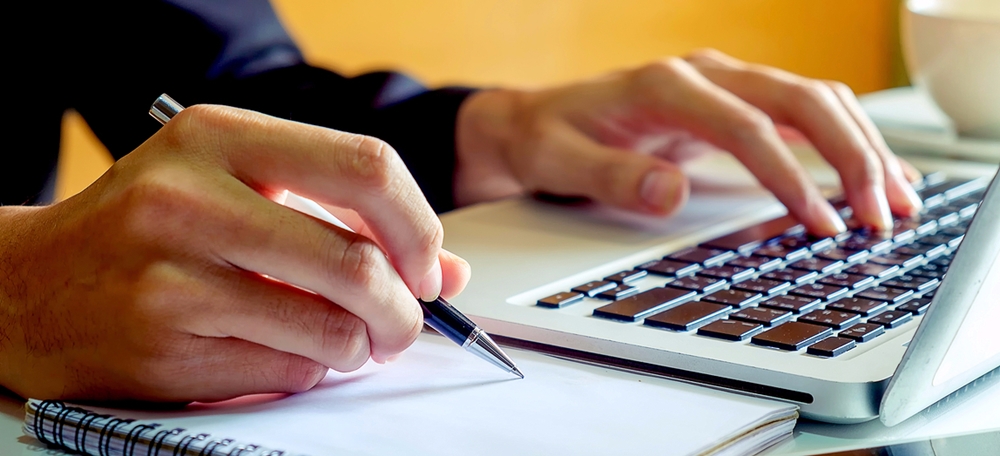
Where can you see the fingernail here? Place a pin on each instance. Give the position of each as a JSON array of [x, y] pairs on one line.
[[883, 207], [836, 222], [392, 358], [659, 189], [912, 197], [430, 287]]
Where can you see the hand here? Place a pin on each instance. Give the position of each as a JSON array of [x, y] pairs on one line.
[[174, 278], [618, 140]]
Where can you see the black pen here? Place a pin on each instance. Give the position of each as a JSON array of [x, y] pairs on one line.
[[438, 314]]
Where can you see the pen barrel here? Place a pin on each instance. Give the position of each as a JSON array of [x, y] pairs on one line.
[[447, 320]]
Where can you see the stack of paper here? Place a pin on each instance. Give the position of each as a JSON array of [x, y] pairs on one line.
[[437, 399]]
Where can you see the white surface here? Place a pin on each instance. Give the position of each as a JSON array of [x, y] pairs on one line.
[[972, 411], [912, 124], [437, 399]]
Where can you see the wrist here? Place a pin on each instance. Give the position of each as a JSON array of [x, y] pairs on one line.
[[485, 133], [16, 225]]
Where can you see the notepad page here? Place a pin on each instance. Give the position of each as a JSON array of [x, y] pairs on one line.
[[437, 399]]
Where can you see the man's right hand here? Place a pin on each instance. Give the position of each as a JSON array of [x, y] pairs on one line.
[[175, 278]]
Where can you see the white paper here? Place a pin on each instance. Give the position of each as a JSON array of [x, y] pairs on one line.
[[438, 399]]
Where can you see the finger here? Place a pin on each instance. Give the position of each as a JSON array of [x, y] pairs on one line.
[[681, 96], [902, 198], [227, 368], [456, 273], [247, 306], [572, 164], [814, 109], [255, 234], [913, 175], [332, 167]]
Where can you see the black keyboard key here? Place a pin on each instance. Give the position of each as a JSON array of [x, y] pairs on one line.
[[945, 261], [730, 329], [903, 230], [792, 336], [688, 316], [733, 298], [796, 304], [698, 283], [863, 332], [762, 264], [560, 299], [846, 280], [707, 257], [881, 293], [832, 318], [627, 276], [831, 346], [780, 251], [746, 240], [791, 275], [669, 268], [892, 318], [637, 307], [592, 289], [862, 306], [805, 241], [618, 292], [870, 242], [728, 272], [916, 306], [917, 224], [765, 287], [845, 255], [820, 291], [872, 270], [911, 282], [925, 250], [819, 265], [934, 271], [763, 315], [897, 259], [943, 238]]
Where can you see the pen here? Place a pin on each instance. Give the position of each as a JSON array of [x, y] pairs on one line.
[[438, 314]]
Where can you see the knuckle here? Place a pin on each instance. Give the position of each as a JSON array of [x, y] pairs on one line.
[[753, 124], [661, 71], [345, 337], [301, 374], [370, 161], [811, 92], [360, 263], [869, 169], [839, 87], [157, 196], [706, 55]]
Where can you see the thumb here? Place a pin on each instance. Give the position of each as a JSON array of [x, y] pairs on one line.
[[614, 176]]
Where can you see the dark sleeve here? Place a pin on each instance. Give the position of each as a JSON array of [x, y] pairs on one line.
[[236, 53]]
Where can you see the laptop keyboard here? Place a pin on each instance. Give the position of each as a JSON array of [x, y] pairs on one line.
[[784, 289]]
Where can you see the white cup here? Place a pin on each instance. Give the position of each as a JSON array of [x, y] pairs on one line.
[[952, 51]]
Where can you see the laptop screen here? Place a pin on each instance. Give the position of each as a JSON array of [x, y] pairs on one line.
[[957, 341]]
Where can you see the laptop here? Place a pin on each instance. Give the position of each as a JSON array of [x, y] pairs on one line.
[[731, 293]]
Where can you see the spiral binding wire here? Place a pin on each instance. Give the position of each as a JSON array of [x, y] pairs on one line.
[[73, 428]]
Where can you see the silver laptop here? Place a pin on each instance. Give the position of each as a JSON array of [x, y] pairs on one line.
[[731, 294]]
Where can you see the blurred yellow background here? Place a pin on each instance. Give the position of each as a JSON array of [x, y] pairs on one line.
[[531, 42]]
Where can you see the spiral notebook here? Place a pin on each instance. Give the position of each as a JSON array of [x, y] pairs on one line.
[[437, 399]]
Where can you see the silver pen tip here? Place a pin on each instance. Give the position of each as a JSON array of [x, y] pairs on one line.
[[518, 373]]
